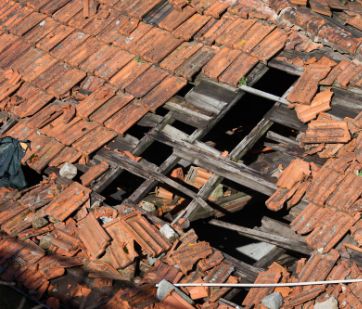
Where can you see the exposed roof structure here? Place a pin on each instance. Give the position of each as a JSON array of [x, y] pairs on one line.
[[100, 84]]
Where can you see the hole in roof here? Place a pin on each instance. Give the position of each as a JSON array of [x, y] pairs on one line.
[[183, 127], [157, 153], [32, 177], [121, 188], [248, 111]]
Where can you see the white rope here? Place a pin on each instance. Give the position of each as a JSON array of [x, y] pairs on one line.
[[265, 285]]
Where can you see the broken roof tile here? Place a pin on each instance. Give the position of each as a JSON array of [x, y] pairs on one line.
[[296, 171], [307, 85], [93, 236], [163, 92], [146, 82], [191, 26], [348, 74], [67, 154], [320, 103], [89, 105], [67, 202], [327, 131], [93, 140], [93, 173], [145, 234], [238, 69], [186, 256], [220, 62]]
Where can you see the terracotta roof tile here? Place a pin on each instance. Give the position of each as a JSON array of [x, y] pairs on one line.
[[320, 103], [272, 275], [336, 71], [163, 92], [18, 223], [93, 236], [130, 42], [307, 85], [61, 243], [64, 14], [351, 71], [191, 26], [146, 82], [220, 62], [176, 17], [211, 261], [216, 9], [217, 29], [66, 82], [140, 8], [238, 69], [318, 266], [309, 218], [89, 105], [40, 30], [114, 64], [94, 140], [296, 171], [36, 4], [347, 192], [127, 117], [156, 45], [195, 63], [54, 37], [43, 156], [27, 23], [6, 40], [53, 6], [329, 232], [67, 202], [68, 154], [129, 73], [338, 38], [10, 209], [272, 44], [303, 296], [327, 131], [13, 52], [93, 173], [83, 52], [38, 67], [99, 58], [234, 32], [12, 14], [121, 252], [26, 59], [68, 45], [141, 230], [320, 7], [186, 256], [111, 107], [180, 55], [253, 36], [68, 133], [100, 21]]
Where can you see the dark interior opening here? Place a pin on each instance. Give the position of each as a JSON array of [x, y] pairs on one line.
[[250, 109], [157, 153]]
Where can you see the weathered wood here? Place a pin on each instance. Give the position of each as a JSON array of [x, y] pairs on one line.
[[280, 241]]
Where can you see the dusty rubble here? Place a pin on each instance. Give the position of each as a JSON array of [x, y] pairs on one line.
[[94, 84]]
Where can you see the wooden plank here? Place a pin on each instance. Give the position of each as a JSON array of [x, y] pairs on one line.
[[280, 241]]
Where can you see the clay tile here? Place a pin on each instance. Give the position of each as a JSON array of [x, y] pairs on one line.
[[296, 171], [93, 173], [93, 236]]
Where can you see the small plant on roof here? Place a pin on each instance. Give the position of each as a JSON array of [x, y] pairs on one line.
[[359, 173], [243, 81], [138, 59]]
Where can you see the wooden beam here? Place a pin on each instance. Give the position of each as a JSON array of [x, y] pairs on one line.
[[280, 241]]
